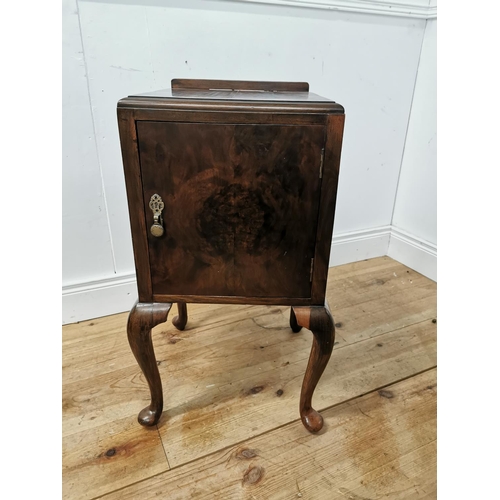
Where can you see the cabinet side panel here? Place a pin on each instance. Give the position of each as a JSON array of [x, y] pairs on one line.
[[331, 169], [133, 181]]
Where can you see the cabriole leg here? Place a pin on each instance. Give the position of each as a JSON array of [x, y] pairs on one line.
[[293, 322], [319, 320], [180, 321], [142, 318]]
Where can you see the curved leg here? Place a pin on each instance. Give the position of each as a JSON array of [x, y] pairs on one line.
[[180, 321], [142, 318], [293, 322], [320, 322]]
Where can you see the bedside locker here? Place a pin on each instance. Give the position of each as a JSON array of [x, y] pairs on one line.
[[231, 189]]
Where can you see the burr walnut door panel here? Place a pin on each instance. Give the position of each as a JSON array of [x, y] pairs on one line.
[[240, 207]]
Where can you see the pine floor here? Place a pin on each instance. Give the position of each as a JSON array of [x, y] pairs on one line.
[[231, 428]]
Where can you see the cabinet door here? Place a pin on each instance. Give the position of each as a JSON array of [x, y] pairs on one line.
[[240, 207]]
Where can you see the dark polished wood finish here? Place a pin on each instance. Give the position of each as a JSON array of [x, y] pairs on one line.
[[250, 196], [320, 322], [293, 322], [181, 84], [247, 173], [135, 195], [180, 320], [326, 216], [142, 319], [233, 299]]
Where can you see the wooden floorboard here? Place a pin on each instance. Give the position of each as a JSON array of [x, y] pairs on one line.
[[381, 445], [221, 378], [105, 458]]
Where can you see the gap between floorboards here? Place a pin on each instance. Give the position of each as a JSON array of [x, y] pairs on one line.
[[238, 443]]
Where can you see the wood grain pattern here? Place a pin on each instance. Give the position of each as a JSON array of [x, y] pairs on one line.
[[286, 109], [107, 457], [148, 113], [142, 319], [220, 396], [331, 169], [319, 320], [253, 366], [240, 208], [179, 83], [132, 170], [232, 299], [381, 445]]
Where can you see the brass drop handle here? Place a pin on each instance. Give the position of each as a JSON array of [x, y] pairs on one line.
[[156, 205]]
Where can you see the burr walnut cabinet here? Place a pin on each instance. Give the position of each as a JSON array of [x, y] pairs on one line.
[[231, 189]]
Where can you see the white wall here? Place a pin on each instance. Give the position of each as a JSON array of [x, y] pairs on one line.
[[414, 232], [86, 243], [367, 62]]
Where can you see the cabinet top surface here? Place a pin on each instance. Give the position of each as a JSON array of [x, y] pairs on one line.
[[234, 95]]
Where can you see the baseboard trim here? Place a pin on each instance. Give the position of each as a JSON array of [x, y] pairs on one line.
[[95, 299], [359, 245], [413, 252], [117, 294]]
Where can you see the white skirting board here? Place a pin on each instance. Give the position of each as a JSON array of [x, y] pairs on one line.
[[359, 245], [413, 252], [98, 298], [118, 294]]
